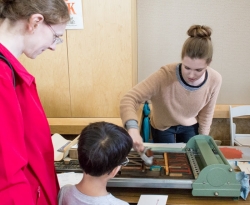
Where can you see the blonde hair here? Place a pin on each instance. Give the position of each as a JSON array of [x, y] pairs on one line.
[[53, 11], [199, 44]]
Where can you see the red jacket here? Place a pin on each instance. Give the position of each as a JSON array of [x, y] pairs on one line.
[[27, 173]]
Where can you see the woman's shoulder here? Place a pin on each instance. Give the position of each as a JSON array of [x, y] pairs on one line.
[[214, 74], [170, 67], [164, 73]]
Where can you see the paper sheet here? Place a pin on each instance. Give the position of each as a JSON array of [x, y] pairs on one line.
[[58, 143], [244, 167], [62, 146], [69, 178], [153, 200]]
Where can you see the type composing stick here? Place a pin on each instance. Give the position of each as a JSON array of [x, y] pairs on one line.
[[166, 162]]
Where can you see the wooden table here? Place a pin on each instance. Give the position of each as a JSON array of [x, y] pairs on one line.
[[175, 196]]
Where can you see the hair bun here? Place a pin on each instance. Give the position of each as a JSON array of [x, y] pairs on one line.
[[199, 31]]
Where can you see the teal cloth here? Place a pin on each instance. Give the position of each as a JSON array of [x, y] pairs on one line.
[[146, 123]]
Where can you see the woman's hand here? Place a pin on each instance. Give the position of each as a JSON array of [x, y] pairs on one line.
[[137, 139]]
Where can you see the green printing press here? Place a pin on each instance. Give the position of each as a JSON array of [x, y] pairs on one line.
[[207, 172], [212, 172]]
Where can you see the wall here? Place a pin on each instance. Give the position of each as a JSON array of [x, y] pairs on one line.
[[94, 67], [162, 26]]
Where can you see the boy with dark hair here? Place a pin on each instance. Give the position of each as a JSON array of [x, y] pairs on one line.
[[102, 150]]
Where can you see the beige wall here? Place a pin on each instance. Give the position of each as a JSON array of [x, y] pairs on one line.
[[94, 67], [162, 26]]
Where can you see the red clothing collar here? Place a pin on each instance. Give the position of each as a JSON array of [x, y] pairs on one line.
[[17, 66]]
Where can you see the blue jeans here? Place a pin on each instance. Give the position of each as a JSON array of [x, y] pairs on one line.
[[175, 134]]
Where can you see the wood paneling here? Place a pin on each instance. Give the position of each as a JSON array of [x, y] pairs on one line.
[[51, 72], [100, 58], [75, 125], [94, 67]]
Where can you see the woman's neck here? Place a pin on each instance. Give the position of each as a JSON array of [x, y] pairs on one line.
[[11, 36]]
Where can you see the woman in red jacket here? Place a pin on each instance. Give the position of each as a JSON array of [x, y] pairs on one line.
[[27, 174]]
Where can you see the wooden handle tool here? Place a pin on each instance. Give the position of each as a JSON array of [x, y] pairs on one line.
[[166, 163]]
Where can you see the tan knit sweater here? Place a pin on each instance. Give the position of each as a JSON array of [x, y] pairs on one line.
[[172, 103]]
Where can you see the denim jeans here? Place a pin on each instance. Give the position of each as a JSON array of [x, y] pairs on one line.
[[175, 134]]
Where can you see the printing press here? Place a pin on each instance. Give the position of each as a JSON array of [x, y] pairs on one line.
[[199, 166]]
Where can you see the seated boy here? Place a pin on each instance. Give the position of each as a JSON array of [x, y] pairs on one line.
[[102, 150]]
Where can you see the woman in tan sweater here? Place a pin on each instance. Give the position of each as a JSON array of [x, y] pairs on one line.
[[183, 95]]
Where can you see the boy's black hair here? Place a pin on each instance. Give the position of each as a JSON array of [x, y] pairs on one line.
[[103, 146]]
